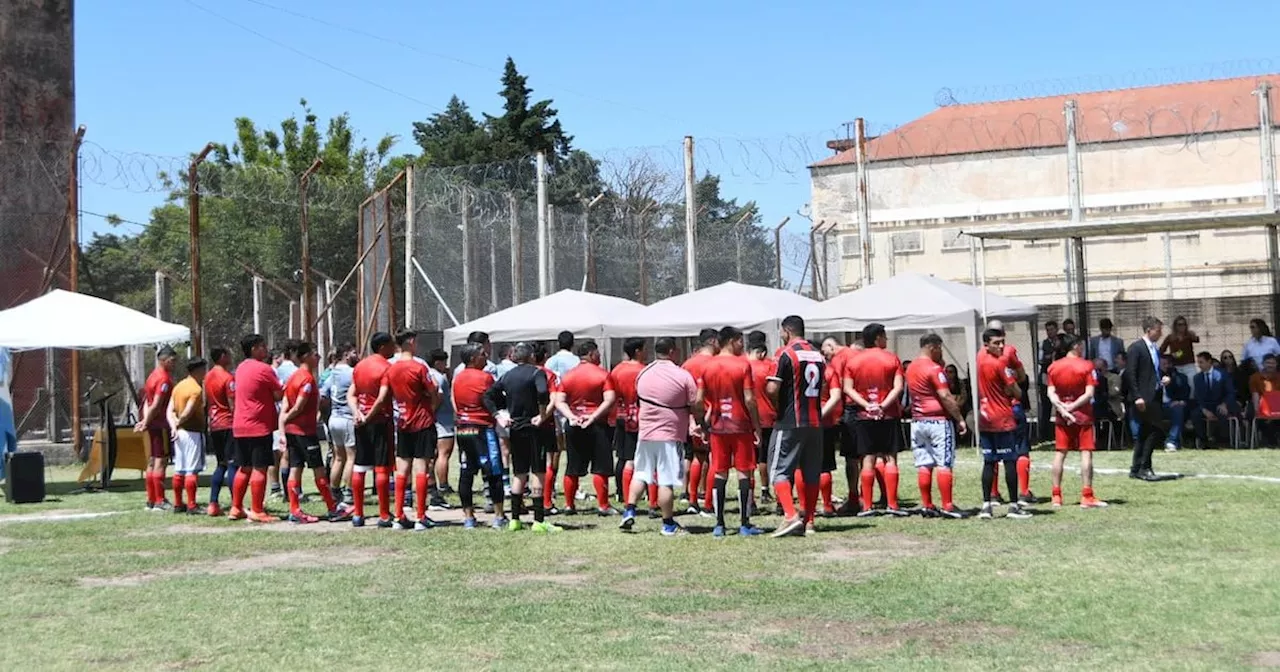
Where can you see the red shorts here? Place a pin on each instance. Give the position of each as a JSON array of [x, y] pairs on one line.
[[1073, 437], [157, 439], [733, 450]]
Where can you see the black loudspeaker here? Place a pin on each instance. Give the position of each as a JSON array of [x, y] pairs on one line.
[[24, 478]]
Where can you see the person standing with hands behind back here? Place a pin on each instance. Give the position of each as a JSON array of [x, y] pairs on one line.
[[1144, 392]]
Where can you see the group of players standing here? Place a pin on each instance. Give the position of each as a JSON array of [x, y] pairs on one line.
[[656, 425]]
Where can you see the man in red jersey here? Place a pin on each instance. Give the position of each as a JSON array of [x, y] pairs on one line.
[[796, 390], [933, 437], [1022, 433], [298, 425], [257, 389], [997, 391], [417, 397], [585, 397], [477, 442], [154, 427], [841, 360], [727, 393], [762, 367], [698, 457], [1072, 381], [370, 400], [219, 392], [627, 408], [875, 384]]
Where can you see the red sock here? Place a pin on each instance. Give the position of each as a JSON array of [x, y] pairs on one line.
[[995, 480], [708, 492], [178, 482], [357, 492], [1057, 491], [157, 479], [402, 485], [420, 485], [602, 490], [880, 478], [191, 482], [695, 479], [801, 488], [238, 488], [1024, 474], [382, 486], [258, 491], [653, 493], [294, 486], [570, 491], [627, 474], [824, 487], [1086, 493], [946, 482], [891, 484], [810, 501], [924, 479], [151, 486], [867, 479], [547, 488], [322, 484], [783, 491]]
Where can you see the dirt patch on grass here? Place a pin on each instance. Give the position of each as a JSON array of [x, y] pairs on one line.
[[1266, 659], [523, 579], [335, 557], [878, 547]]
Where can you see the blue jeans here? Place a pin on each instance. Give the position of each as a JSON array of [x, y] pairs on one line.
[[1176, 416], [1021, 433]]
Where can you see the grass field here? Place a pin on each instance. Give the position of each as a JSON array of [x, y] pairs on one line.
[[1176, 575]]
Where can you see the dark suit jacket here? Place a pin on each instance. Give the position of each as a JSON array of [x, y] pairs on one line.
[[1179, 387], [1142, 381]]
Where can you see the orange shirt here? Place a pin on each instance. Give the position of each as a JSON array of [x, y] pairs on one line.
[[411, 387], [1267, 387], [724, 378], [1070, 377], [873, 371], [995, 408], [302, 385], [925, 378], [368, 378], [584, 386], [218, 385], [156, 392], [627, 407], [469, 387], [761, 371]]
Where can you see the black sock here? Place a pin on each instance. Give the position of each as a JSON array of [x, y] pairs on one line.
[[744, 500], [517, 504], [1011, 479], [722, 484], [989, 479], [538, 513]]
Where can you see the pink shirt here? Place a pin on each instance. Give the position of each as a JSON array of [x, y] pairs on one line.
[[255, 411], [671, 386]]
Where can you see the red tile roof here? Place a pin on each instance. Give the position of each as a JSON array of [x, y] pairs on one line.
[[1190, 108]]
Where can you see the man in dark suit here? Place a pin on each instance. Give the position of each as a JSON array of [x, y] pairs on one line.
[[1144, 392], [1215, 397]]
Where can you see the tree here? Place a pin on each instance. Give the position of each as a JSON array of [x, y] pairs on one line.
[[524, 130]]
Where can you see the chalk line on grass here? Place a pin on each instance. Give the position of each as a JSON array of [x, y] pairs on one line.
[[1108, 471], [55, 516]]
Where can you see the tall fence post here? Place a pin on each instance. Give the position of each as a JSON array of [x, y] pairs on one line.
[[410, 321], [777, 252], [73, 276], [257, 305], [517, 267], [551, 248], [864, 208], [543, 238], [466, 255], [1266, 146], [306, 318], [1076, 205], [690, 218], [193, 235]]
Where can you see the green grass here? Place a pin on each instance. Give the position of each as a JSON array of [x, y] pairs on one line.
[[1177, 575]]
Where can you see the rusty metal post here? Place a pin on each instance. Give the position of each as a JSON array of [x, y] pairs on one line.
[[864, 216], [193, 236], [73, 277], [777, 252], [308, 301], [589, 266]]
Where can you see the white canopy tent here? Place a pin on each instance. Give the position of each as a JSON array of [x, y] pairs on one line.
[[62, 319], [747, 307], [583, 313], [917, 301]]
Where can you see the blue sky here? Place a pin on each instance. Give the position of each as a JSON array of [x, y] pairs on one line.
[[165, 76]]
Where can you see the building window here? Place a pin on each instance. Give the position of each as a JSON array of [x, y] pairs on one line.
[[851, 246], [907, 242], [954, 239]]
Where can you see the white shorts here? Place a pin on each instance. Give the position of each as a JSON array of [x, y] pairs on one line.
[[188, 452], [933, 443], [664, 457], [342, 432], [444, 431]]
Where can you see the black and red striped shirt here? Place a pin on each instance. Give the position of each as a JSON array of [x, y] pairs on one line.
[[801, 374]]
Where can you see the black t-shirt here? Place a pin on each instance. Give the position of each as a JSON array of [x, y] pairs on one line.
[[522, 391]]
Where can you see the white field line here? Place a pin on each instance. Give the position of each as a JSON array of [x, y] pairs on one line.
[[1041, 466], [46, 517]]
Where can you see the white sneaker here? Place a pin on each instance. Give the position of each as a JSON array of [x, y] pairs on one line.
[[1170, 448], [985, 513]]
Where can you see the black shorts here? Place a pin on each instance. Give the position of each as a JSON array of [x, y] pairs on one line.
[[878, 437], [373, 445], [624, 444], [831, 440], [221, 445], [590, 451], [304, 451], [419, 445], [762, 450], [849, 436], [547, 440], [527, 450], [255, 451]]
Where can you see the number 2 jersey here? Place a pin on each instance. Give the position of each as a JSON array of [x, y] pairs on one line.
[[801, 375]]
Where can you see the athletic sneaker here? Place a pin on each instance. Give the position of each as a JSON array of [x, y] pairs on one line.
[[985, 513], [348, 497], [515, 525], [357, 521], [553, 511], [468, 523], [340, 513], [790, 527], [438, 503], [1092, 503], [829, 513], [809, 530], [263, 517], [673, 530], [301, 518], [628, 519], [213, 511], [703, 513], [277, 495], [1027, 500], [606, 512], [181, 508], [929, 512], [1057, 501], [897, 513], [654, 513], [869, 513], [952, 512], [749, 531], [404, 524], [386, 523], [423, 525], [1170, 448], [1018, 512], [693, 509], [718, 532], [195, 510], [570, 511], [237, 514], [546, 528], [446, 489], [163, 507], [500, 523], [582, 495]]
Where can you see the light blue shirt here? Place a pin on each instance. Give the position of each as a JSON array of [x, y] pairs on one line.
[[444, 414], [1257, 348], [285, 370], [562, 362], [1104, 351], [336, 389], [503, 367]]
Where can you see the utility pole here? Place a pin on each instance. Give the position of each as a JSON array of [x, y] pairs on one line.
[[517, 268], [193, 235], [409, 228], [690, 218], [864, 210], [777, 252], [466, 255], [1073, 247], [543, 238], [73, 277], [308, 301], [551, 249], [1267, 150], [589, 241], [640, 235]]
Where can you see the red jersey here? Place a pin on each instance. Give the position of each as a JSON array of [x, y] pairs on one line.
[[302, 385], [218, 386], [627, 406], [833, 383], [367, 379], [873, 371], [925, 379], [411, 387], [842, 365], [469, 388], [995, 408], [156, 392], [553, 381], [256, 386], [801, 374], [722, 383], [761, 371], [584, 386], [1070, 377]]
